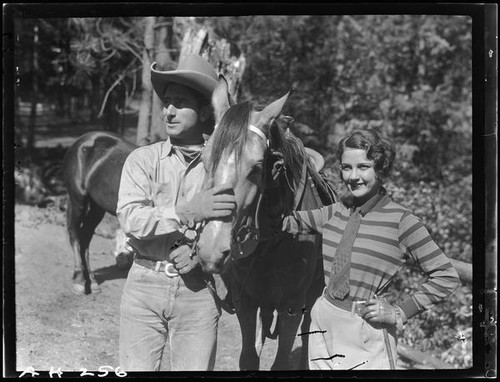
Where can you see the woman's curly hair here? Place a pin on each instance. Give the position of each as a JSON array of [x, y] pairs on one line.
[[378, 149]]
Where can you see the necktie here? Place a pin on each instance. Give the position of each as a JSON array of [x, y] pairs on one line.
[[338, 286]]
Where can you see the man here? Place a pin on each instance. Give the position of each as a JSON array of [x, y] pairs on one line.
[[160, 202]]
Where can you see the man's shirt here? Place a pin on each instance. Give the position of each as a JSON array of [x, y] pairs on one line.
[[154, 179]]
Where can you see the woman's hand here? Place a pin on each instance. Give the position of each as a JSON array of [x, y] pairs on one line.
[[378, 311], [278, 166]]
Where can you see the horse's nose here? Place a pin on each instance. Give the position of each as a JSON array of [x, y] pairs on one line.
[[211, 268], [216, 266]]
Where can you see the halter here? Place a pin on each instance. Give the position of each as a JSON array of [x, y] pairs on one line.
[[250, 229], [256, 130]]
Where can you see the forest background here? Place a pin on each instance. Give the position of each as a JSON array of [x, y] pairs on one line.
[[409, 76]]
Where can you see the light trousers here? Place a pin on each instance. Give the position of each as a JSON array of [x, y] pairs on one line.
[[157, 311], [340, 340]]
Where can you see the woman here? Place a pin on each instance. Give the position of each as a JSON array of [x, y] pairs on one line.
[[365, 243]]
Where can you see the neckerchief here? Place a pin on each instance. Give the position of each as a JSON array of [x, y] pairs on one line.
[[189, 152]]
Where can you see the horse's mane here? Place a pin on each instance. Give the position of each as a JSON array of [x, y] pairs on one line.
[[293, 155], [232, 132]]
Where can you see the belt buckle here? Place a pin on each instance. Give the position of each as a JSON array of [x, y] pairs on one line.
[[168, 272]]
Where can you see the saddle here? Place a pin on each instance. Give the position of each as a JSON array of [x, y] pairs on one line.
[[316, 159]]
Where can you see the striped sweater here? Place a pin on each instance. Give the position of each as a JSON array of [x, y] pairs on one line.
[[387, 234]]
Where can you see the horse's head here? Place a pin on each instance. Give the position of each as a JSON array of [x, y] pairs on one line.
[[235, 155]]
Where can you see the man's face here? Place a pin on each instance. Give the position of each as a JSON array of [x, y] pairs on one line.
[[183, 115]]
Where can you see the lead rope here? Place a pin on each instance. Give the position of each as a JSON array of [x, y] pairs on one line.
[[224, 305]]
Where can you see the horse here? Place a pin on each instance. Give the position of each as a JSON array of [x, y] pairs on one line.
[[91, 172], [265, 270]]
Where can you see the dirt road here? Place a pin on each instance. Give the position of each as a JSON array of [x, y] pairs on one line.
[[54, 327]]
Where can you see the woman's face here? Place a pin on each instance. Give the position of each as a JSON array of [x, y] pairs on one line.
[[358, 174]]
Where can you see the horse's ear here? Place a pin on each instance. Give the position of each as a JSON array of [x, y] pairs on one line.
[[264, 118], [221, 99]]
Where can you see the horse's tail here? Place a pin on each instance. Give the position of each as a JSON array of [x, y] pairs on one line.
[[268, 317]]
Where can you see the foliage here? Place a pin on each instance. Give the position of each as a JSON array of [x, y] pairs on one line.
[[85, 63], [446, 211], [408, 76]]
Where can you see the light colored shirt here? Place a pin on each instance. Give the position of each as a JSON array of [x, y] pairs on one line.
[[154, 180]]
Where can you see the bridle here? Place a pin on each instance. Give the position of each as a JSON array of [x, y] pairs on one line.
[[248, 227], [250, 230]]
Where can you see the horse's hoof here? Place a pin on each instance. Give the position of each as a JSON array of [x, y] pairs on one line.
[[78, 288], [94, 287]]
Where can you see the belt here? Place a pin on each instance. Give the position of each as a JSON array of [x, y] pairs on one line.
[[158, 266], [355, 307], [342, 304]]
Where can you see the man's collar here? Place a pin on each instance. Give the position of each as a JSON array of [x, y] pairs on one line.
[[166, 148]]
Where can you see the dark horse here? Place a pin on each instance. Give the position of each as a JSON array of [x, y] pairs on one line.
[[264, 268], [91, 173]]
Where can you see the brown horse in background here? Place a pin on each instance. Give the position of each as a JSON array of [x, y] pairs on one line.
[[91, 172], [264, 268]]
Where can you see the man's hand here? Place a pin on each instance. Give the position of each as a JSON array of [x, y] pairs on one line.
[[215, 202], [182, 260]]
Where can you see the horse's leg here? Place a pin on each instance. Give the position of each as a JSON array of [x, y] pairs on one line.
[[92, 219], [305, 328], [247, 318], [76, 210], [287, 329], [313, 292]]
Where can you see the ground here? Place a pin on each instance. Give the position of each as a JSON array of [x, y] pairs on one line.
[[56, 328]]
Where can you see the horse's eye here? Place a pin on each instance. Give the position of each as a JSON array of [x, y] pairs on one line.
[[256, 171], [257, 167]]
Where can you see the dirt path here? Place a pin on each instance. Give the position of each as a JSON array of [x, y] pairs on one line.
[[56, 328]]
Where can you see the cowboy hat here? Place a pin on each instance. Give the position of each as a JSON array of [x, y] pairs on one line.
[[192, 71]]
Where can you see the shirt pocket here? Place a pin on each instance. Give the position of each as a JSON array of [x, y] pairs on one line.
[[163, 194]]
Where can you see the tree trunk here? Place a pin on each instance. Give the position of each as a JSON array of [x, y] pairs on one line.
[[194, 42], [144, 123], [204, 42], [96, 96], [34, 93], [158, 44], [163, 47]]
